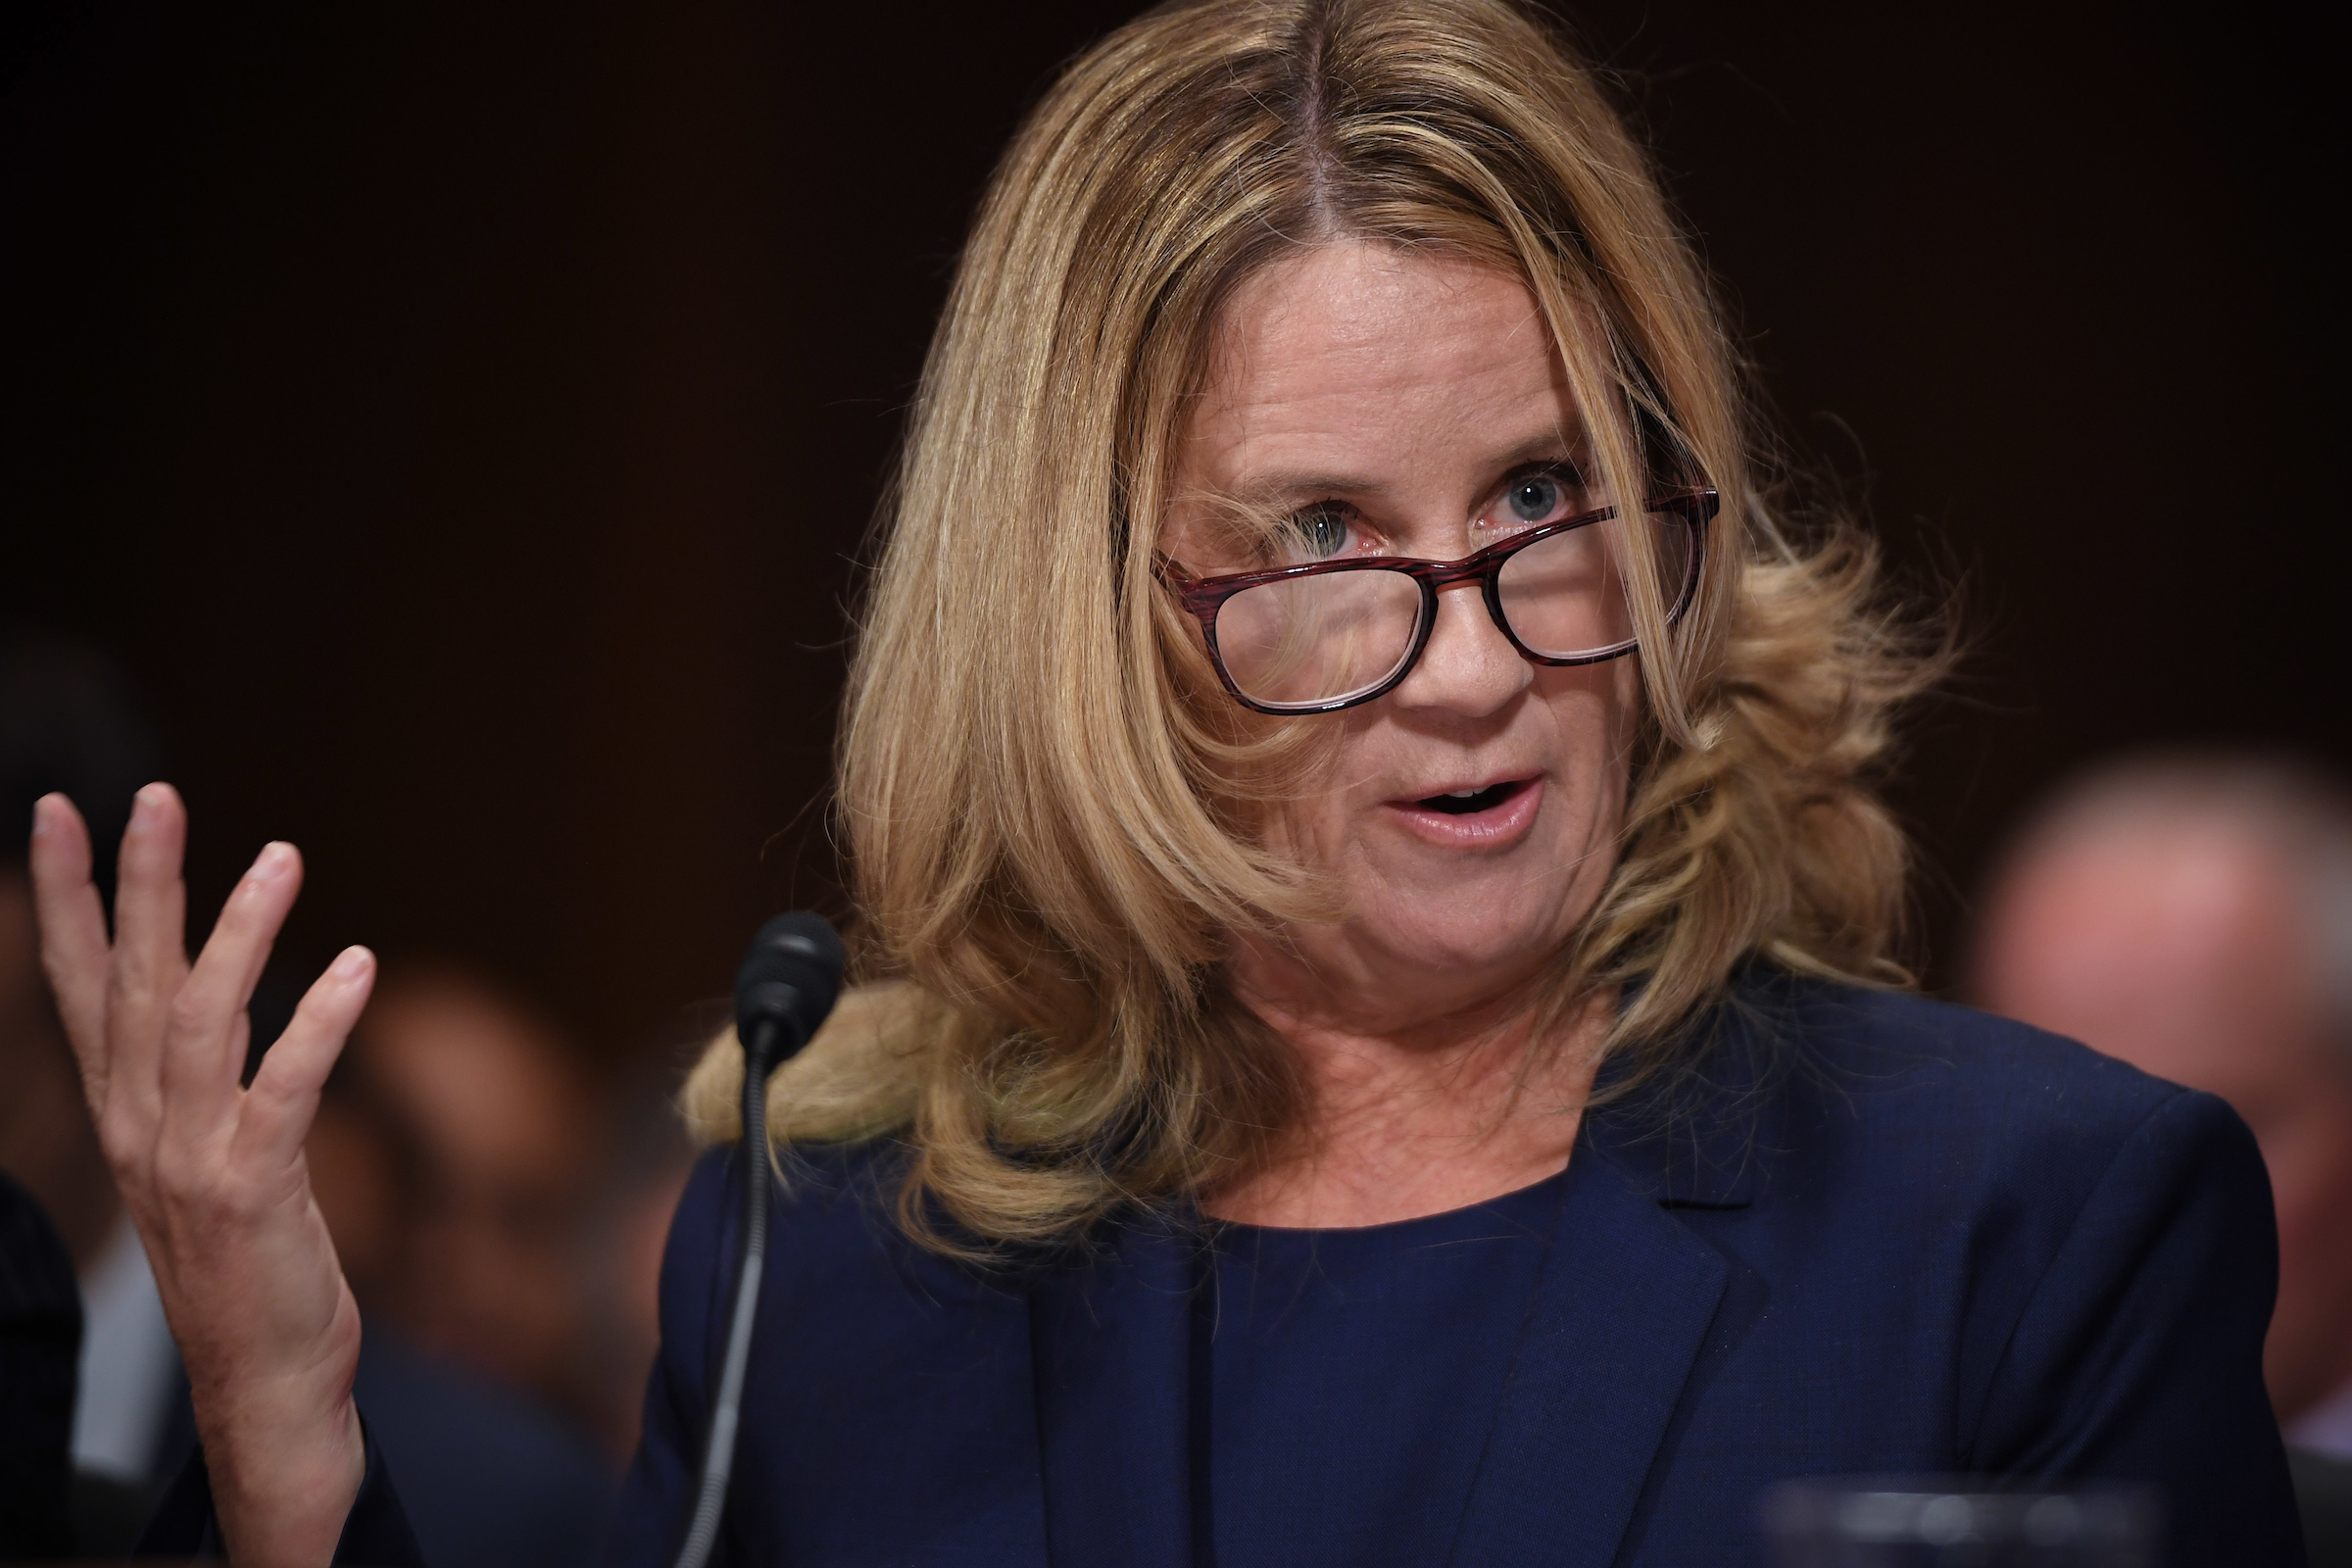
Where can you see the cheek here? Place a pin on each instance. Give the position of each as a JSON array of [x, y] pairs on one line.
[[1595, 707], [1591, 716], [1317, 825]]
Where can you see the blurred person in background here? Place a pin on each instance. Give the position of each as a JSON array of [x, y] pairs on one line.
[[643, 1177], [451, 1160], [2194, 916], [69, 723], [40, 1333], [504, 1216], [495, 1129]]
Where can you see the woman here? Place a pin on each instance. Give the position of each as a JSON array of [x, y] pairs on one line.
[[1379, 1041]]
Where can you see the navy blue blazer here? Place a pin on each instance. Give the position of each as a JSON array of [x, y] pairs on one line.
[[1873, 1234]]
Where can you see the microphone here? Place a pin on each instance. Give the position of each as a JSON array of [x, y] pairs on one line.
[[786, 985]]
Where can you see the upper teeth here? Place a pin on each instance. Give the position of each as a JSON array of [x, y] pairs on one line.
[[1459, 795]]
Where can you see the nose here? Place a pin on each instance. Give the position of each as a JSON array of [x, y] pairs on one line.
[[1468, 666]]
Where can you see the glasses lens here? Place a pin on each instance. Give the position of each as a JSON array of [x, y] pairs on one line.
[[1318, 639], [1565, 596]]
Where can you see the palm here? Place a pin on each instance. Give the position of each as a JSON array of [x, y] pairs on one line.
[[213, 1173]]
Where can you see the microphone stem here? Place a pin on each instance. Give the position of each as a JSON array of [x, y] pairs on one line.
[[718, 1453]]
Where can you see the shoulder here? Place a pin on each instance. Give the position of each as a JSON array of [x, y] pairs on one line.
[[1907, 1073], [1901, 1042], [2007, 1168], [836, 1245], [827, 1198], [1853, 1098]]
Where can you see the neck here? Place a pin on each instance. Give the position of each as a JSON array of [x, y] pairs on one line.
[[1447, 1107]]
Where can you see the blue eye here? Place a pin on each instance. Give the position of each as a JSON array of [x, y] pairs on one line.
[[1322, 531], [1535, 498]]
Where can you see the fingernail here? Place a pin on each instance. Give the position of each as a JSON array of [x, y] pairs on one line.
[[351, 963], [271, 862], [145, 804], [42, 808]]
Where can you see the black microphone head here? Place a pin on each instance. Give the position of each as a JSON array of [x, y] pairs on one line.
[[788, 981]]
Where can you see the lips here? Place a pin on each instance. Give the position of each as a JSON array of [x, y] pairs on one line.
[[1471, 802], [1490, 814]]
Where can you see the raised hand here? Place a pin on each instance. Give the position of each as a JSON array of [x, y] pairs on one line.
[[212, 1173]]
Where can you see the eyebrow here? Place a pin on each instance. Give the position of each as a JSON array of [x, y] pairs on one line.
[[1273, 489]]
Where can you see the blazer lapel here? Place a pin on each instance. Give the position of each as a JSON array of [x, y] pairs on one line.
[[1621, 1312], [1112, 1352]]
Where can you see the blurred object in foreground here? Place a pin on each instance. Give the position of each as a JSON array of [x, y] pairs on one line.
[[1951, 1521], [450, 1158], [2324, 1490]]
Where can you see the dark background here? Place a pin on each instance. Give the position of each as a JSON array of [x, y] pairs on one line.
[[459, 419]]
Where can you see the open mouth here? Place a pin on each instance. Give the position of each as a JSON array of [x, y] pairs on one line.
[[1468, 803]]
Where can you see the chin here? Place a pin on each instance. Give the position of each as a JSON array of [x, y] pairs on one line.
[[1478, 930]]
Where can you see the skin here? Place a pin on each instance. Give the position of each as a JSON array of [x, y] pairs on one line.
[[2181, 947], [215, 1175], [1410, 389]]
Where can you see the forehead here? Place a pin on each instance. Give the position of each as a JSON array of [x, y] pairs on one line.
[[1356, 361]]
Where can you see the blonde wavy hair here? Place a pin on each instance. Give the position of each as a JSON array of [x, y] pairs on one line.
[[1043, 796]]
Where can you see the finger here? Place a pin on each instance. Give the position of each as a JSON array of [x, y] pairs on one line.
[[203, 1059], [150, 953], [73, 927], [285, 1092]]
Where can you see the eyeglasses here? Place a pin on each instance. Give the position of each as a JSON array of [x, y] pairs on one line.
[[1330, 634]]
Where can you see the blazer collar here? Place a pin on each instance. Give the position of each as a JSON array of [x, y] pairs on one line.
[[1703, 1135]]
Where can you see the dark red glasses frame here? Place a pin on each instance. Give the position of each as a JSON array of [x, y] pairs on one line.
[[1205, 597]]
